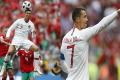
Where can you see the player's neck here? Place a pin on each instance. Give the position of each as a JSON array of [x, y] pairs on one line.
[[78, 26], [26, 20]]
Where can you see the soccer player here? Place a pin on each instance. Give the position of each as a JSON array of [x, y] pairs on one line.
[[26, 64], [75, 46], [4, 45], [22, 27]]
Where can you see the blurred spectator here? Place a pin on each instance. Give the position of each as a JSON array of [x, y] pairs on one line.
[[66, 24], [93, 71], [56, 69]]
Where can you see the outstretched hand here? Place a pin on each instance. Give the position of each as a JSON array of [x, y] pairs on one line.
[[118, 11]]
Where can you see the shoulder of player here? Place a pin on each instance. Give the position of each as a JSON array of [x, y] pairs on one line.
[[70, 33], [30, 22], [87, 28], [67, 35], [19, 20]]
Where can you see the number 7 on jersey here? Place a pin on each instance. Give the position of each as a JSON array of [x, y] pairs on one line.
[[72, 53]]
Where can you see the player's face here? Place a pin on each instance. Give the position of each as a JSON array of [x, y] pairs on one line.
[[83, 20], [28, 15]]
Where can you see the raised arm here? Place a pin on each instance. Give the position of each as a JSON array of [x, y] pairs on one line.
[[91, 31], [12, 27]]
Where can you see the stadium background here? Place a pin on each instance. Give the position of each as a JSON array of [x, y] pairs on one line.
[[52, 19]]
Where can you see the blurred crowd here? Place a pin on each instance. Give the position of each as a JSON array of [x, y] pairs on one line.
[[52, 19]]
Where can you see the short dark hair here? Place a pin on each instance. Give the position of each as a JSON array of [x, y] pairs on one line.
[[76, 13]]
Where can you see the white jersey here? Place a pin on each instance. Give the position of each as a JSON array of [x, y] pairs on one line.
[[75, 48], [22, 29]]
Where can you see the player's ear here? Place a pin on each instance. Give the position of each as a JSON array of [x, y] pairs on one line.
[[77, 19]]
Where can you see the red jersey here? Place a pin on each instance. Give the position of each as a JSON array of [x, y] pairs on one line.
[[26, 60], [3, 46]]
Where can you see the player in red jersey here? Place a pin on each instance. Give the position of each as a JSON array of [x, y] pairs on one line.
[[4, 45], [26, 64]]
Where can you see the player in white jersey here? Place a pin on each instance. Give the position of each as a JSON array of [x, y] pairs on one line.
[[75, 44], [22, 28]]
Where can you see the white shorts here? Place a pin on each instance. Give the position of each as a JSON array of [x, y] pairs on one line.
[[21, 42]]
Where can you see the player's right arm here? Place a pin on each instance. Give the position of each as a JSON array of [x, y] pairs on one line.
[[91, 31], [11, 28]]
